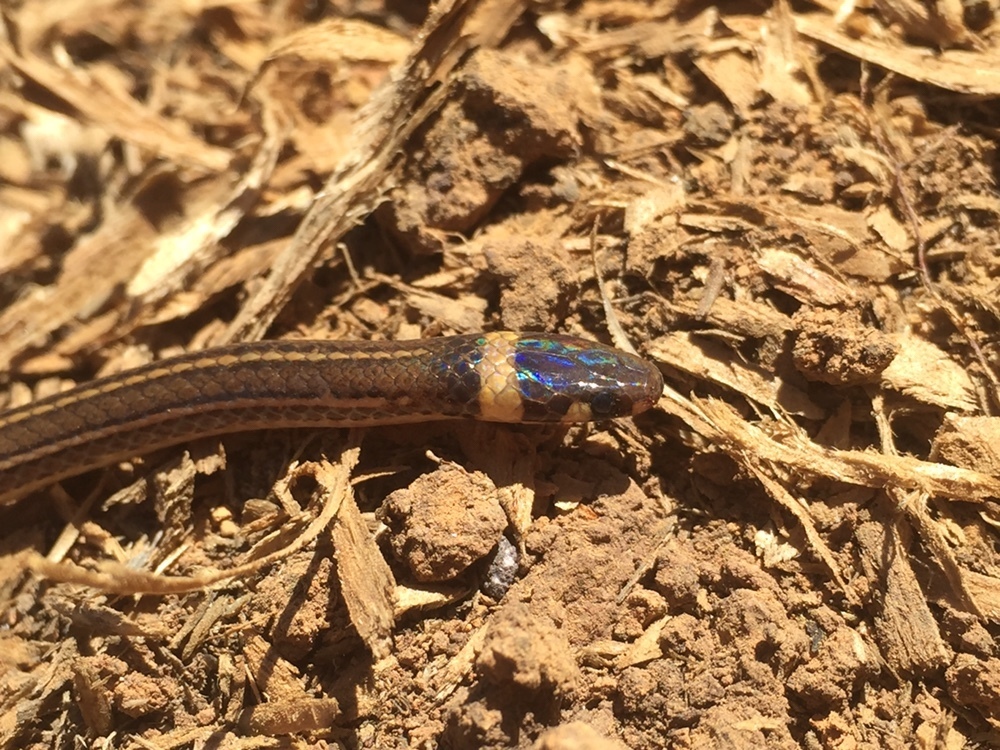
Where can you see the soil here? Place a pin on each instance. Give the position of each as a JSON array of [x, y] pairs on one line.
[[792, 210]]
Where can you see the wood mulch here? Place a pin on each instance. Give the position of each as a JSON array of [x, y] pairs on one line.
[[791, 208]]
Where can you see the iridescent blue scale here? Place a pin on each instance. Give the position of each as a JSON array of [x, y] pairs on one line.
[[554, 374], [459, 375]]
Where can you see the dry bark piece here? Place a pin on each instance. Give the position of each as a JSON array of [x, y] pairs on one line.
[[711, 362], [300, 588], [805, 278], [303, 715], [970, 442], [103, 100], [365, 579], [91, 691], [967, 71], [923, 371], [939, 23], [272, 675], [651, 222], [908, 634]]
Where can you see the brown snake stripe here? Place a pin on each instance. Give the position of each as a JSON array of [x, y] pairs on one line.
[[499, 377]]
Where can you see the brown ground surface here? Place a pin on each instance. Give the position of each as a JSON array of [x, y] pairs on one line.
[[792, 209]]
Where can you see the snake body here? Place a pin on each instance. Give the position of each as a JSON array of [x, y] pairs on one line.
[[499, 377]]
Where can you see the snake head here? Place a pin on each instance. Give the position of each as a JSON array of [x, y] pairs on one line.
[[552, 378]]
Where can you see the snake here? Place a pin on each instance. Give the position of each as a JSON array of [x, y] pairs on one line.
[[497, 377]]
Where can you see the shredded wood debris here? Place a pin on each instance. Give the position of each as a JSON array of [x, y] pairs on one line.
[[792, 210]]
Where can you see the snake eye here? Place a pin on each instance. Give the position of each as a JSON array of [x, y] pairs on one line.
[[603, 404]]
